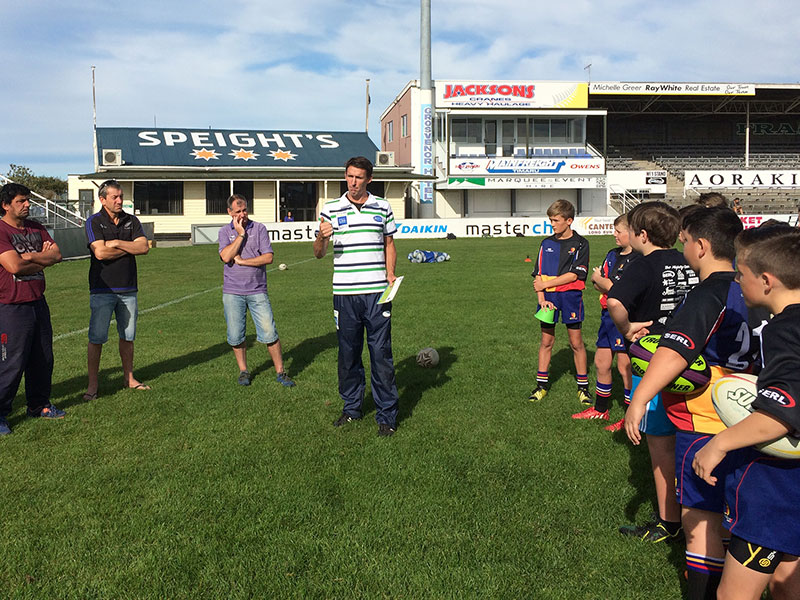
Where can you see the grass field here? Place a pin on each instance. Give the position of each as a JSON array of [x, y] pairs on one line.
[[201, 488]]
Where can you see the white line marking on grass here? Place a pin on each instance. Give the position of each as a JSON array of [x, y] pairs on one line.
[[61, 336]]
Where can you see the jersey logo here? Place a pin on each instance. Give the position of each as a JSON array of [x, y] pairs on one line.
[[342, 221], [680, 338], [378, 218], [778, 396]]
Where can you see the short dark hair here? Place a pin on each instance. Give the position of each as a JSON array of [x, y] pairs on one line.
[[719, 226], [561, 208], [236, 198], [771, 248], [660, 221], [108, 183], [10, 191], [712, 200], [360, 162]]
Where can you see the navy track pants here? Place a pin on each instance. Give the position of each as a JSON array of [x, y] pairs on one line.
[[354, 314]]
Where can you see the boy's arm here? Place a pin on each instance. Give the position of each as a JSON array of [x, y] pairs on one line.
[[619, 314], [541, 285], [757, 428], [664, 367]]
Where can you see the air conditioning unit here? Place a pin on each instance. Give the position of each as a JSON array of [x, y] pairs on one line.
[[112, 158], [384, 159]]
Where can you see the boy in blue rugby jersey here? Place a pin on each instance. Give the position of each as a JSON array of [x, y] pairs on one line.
[[559, 279]]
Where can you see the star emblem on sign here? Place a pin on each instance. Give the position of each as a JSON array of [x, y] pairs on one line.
[[284, 155], [242, 154], [205, 153]]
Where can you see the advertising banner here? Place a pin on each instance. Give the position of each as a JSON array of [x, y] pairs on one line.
[[473, 227], [742, 179], [672, 89], [654, 182], [426, 187], [512, 182], [511, 94], [519, 166]]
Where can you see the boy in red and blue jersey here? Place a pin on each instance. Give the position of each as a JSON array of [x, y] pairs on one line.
[[761, 491], [610, 342], [559, 279]]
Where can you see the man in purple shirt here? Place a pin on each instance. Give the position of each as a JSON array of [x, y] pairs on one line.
[[245, 248]]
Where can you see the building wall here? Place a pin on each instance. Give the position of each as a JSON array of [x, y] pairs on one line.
[[401, 146]]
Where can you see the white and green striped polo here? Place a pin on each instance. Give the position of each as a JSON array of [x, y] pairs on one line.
[[359, 255]]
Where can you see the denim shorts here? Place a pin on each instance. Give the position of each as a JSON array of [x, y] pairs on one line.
[[123, 306], [261, 312]]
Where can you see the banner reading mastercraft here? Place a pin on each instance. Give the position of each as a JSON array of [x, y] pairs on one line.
[[472, 227]]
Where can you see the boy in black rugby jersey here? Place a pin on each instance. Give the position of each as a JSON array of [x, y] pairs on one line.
[[762, 491], [713, 321], [640, 303]]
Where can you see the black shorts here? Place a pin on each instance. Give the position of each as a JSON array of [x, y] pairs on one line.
[[754, 557]]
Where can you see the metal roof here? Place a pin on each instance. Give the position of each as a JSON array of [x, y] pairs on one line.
[[177, 148]]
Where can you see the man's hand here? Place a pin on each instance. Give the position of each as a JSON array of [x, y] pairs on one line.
[[325, 230], [237, 224], [112, 244], [237, 259], [390, 277]]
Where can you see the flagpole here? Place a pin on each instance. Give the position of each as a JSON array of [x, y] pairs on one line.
[[366, 122]]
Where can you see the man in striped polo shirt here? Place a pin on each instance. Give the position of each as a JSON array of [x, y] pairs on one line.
[[364, 258]]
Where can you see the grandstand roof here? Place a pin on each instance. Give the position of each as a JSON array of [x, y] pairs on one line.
[[760, 99]]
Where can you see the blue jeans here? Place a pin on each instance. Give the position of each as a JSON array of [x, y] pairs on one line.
[[126, 309], [236, 317]]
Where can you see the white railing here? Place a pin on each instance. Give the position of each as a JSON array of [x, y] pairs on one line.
[[624, 197], [55, 215]]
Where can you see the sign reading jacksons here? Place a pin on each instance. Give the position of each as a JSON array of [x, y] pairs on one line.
[[742, 179], [511, 94], [672, 89]]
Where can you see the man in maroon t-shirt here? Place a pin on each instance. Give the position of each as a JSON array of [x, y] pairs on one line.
[[26, 336]]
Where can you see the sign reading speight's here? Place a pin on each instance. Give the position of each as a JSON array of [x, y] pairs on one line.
[[230, 148], [511, 94]]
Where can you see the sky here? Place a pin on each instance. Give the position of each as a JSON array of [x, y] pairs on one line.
[[302, 65]]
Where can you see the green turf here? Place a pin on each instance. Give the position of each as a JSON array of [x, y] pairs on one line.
[[204, 489]]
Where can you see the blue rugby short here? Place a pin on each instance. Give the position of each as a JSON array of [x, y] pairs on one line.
[[655, 420], [569, 306], [608, 336]]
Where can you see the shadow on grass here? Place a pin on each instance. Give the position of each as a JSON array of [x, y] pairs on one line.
[[301, 355], [69, 392], [413, 381]]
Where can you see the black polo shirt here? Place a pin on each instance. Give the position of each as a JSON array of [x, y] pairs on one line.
[[117, 275]]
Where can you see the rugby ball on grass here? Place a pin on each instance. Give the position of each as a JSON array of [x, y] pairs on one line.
[[733, 396], [694, 378], [427, 357]]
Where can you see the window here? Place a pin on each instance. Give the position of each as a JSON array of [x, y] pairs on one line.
[[218, 192], [158, 197], [390, 132], [404, 126], [467, 131], [558, 131]]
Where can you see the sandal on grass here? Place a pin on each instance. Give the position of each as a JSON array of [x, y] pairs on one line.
[[139, 386], [89, 397]]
